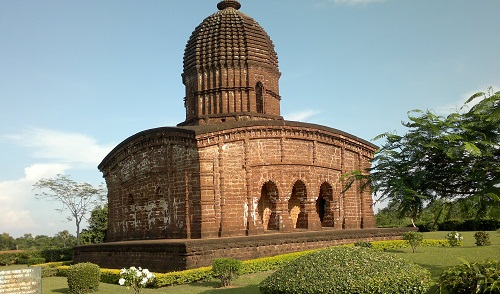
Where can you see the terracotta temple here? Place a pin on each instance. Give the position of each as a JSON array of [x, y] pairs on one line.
[[234, 178]]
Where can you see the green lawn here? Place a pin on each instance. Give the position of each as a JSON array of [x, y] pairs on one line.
[[438, 259], [245, 284], [435, 259]]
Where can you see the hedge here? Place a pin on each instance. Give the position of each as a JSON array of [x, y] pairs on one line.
[[111, 276], [470, 225], [25, 256], [400, 244]]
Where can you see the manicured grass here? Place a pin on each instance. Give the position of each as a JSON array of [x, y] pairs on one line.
[[438, 259], [247, 284], [435, 259]]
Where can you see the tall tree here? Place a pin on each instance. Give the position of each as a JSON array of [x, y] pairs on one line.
[[454, 157], [77, 198]]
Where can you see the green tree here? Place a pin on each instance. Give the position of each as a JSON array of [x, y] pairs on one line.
[[7, 242], [27, 241], [64, 239], [78, 198], [98, 226], [453, 158]]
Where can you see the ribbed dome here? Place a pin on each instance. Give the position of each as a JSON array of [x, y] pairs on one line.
[[230, 70], [229, 36]]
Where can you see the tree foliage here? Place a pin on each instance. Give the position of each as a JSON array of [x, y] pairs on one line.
[[454, 157], [39, 242], [77, 198], [98, 226]]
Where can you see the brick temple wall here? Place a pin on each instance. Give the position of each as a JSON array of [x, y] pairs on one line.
[[196, 182], [236, 164], [152, 186]]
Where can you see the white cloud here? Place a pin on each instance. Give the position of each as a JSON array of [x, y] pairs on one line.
[[72, 148], [15, 214], [301, 115], [53, 152]]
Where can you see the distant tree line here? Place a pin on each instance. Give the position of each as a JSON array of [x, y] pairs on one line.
[[442, 215], [94, 233]]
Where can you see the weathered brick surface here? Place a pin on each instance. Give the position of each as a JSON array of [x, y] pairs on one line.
[[189, 182]]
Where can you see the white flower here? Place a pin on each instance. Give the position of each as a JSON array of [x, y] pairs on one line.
[[121, 281], [144, 281]]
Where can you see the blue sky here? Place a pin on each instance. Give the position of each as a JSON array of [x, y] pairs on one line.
[[79, 77]]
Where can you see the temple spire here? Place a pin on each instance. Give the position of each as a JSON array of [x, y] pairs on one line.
[[229, 4]]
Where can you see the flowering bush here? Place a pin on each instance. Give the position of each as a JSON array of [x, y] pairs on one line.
[[136, 278], [455, 239]]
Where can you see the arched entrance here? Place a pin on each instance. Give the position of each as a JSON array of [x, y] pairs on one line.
[[323, 205], [267, 206], [296, 207]]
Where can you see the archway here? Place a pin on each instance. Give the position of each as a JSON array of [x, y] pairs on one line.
[[296, 207], [267, 206], [323, 205]]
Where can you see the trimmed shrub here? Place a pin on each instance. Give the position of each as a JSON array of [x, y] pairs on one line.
[[482, 238], [35, 260], [24, 256], [8, 258], [178, 278], [478, 277], [270, 263], [348, 270], [83, 278], [363, 244], [54, 269], [469, 225], [57, 254], [226, 269], [401, 244], [414, 239]]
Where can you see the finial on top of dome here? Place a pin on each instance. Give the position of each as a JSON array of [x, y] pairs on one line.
[[229, 4]]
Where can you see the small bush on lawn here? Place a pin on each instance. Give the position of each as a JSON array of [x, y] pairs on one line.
[[455, 239], [226, 269], [482, 238], [348, 270], [414, 239], [478, 277], [83, 278]]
